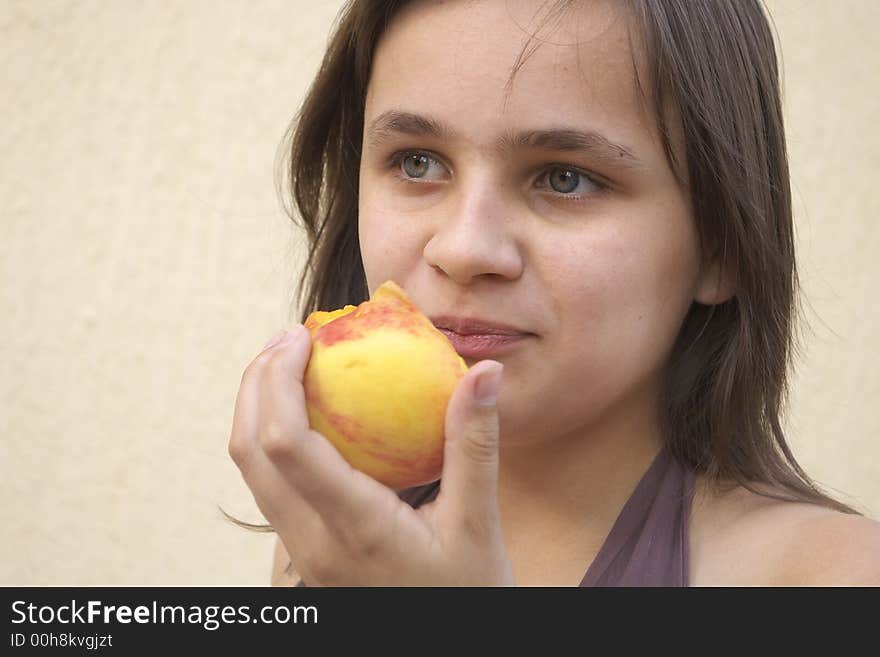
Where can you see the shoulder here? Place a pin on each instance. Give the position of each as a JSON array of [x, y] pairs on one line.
[[742, 538], [835, 549]]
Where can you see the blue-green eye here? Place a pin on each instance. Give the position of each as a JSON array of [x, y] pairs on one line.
[[564, 181], [416, 165], [569, 182]]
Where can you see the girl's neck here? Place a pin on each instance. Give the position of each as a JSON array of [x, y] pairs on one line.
[[584, 477]]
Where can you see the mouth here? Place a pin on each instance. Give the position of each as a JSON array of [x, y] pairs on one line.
[[477, 338]]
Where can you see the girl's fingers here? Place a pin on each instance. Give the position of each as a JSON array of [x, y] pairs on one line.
[[279, 503], [325, 512], [282, 382], [297, 524], [243, 443], [470, 461], [275, 339], [244, 439], [346, 498]]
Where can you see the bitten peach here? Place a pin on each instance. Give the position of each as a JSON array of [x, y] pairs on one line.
[[377, 385]]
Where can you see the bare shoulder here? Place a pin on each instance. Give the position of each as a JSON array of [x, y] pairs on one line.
[[282, 572], [742, 538], [836, 549]]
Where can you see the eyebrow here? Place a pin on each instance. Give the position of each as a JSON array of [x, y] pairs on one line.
[[395, 122]]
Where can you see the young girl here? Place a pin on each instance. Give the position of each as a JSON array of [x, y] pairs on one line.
[[607, 181]]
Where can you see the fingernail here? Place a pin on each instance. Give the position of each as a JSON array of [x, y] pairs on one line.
[[275, 339], [293, 334], [487, 386]]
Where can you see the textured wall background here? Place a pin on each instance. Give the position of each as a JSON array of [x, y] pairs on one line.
[[144, 259]]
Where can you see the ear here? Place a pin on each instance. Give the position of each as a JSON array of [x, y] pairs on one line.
[[717, 280]]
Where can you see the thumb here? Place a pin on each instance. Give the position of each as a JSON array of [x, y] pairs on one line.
[[470, 457]]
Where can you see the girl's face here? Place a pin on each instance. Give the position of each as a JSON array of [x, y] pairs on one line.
[[551, 208]]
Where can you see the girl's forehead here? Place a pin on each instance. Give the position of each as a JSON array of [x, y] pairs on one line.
[[482, 65]]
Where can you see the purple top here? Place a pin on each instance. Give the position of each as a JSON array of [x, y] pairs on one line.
[[648, 544]]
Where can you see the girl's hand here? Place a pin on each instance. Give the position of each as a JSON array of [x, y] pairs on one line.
[[340, 526]]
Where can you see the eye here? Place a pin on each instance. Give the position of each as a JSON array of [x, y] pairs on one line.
[[417, 166], [569, 182], [564, 181]]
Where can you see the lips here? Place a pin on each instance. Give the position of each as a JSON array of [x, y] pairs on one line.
[[478, 338]]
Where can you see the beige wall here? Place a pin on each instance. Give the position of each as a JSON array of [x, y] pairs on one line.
[[144, 259]]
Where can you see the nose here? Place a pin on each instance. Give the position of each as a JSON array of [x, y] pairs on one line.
[[475, 235]]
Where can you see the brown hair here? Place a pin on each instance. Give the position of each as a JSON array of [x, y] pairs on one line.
[[713, 62]]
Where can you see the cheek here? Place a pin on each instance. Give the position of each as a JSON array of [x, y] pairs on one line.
[[622, 303], [390, 242], [654, 279], [662, 285]]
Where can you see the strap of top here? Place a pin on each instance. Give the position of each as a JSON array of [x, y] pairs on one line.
[[648, 544]]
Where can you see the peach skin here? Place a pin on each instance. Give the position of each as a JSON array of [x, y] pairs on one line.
[[377, 385]]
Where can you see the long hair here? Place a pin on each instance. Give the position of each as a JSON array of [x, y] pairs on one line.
[[714, 64]]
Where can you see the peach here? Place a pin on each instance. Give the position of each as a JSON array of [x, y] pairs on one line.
[[377, 385]]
